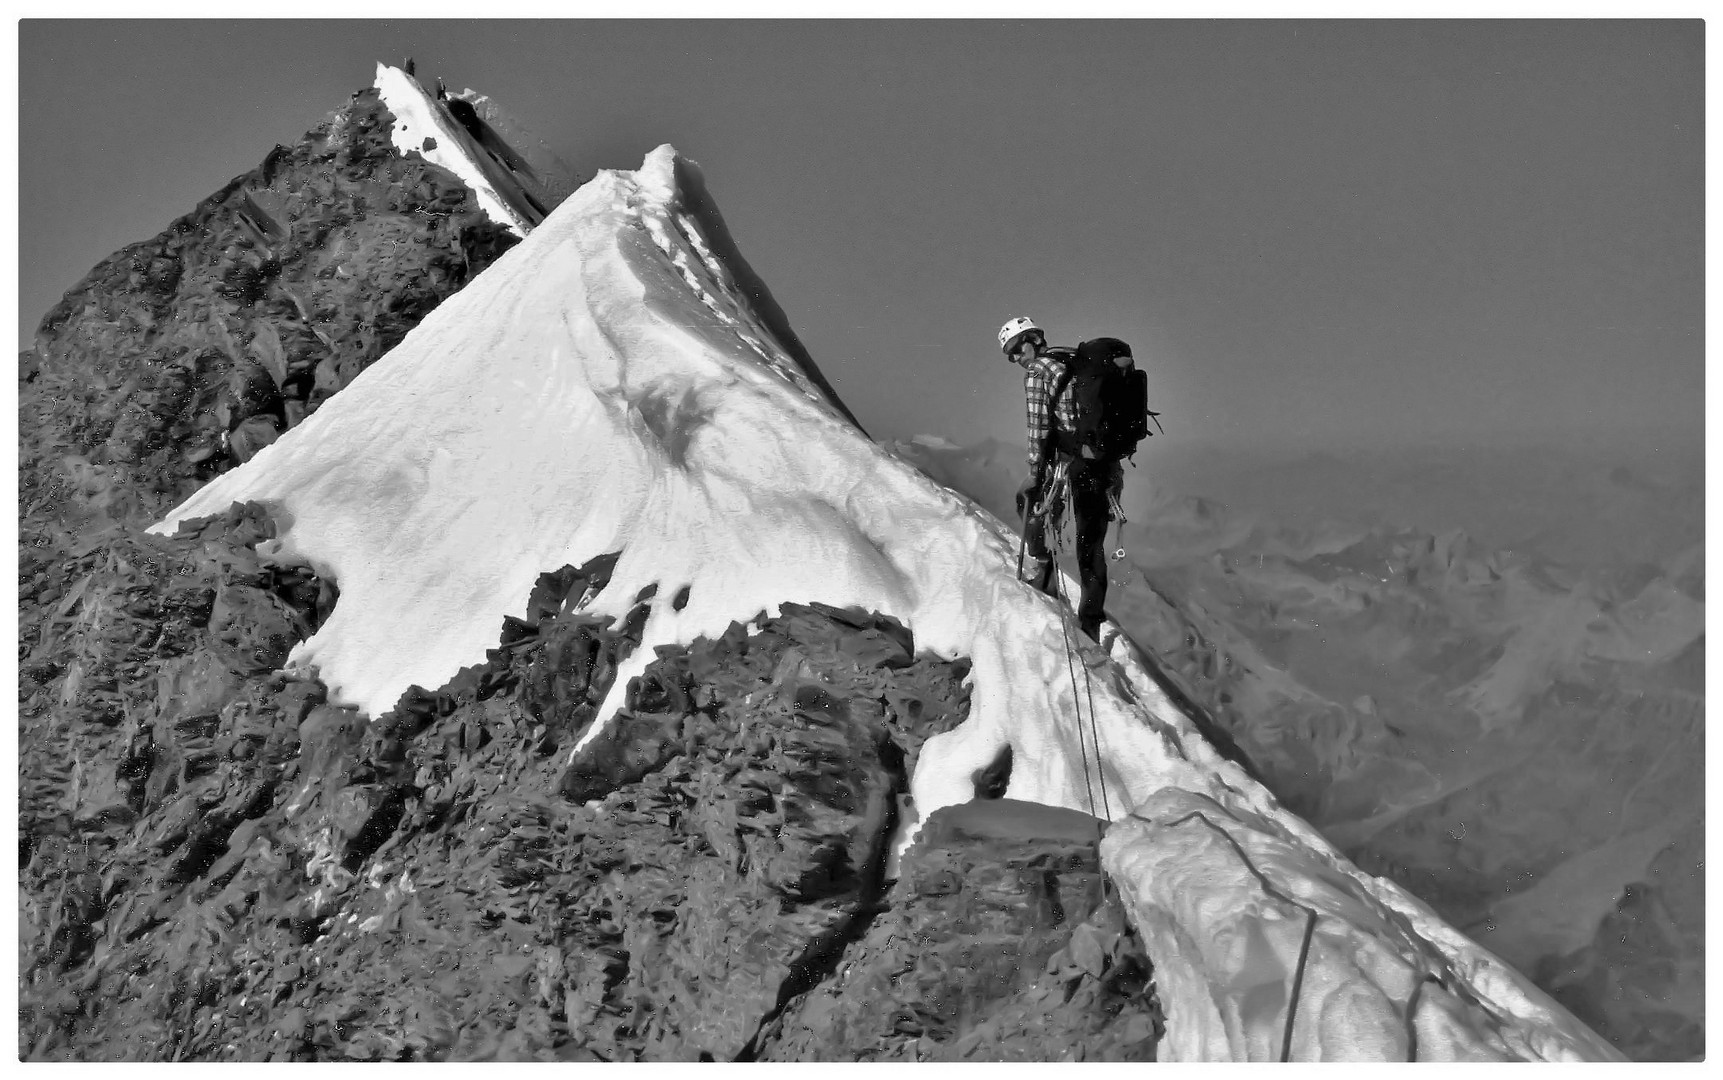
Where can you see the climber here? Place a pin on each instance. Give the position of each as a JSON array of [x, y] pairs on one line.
[[1093, 480], [1025, 344]]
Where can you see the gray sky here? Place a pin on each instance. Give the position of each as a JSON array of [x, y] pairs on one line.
[[1347, 231]]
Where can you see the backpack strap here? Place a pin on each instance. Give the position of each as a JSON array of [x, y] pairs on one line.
[[1050, 444], [1061, 383]]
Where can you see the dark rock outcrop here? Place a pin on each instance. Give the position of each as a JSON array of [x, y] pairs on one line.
[[153, 739], [173, 360], [219, 863], [184, 354], [999, 943], [232, 867]]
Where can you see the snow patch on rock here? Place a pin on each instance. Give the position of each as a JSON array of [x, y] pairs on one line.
[[423, 128]]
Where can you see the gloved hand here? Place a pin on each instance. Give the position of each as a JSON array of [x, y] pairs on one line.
[[1024, 494]]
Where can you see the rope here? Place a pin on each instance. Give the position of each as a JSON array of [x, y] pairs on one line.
[[1297, 984], [1412, 1014], [1055, 526], [1088, 684], [1268, 887], [1082, 746], [1095, 733]]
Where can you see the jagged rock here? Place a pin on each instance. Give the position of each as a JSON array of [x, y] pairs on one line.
[[240, 318], [997, 944], [174, 359], [416, 887], [136, 852], [146, 696]]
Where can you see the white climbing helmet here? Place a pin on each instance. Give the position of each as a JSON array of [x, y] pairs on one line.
[[1014, 329]]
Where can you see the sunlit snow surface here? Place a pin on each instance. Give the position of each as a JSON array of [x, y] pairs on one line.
[[422, 128], [606, 386]]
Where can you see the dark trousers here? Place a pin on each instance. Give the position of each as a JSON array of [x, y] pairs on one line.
[[1090, 513]]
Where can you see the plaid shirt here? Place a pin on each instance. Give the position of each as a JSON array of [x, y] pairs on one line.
[[1038, 380]]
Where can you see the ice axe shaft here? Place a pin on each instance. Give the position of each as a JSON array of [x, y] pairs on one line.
[[1029, 515], [1037, 506], [1118, 513]]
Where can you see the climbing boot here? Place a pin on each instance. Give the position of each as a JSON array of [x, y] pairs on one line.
[[1041, 574]]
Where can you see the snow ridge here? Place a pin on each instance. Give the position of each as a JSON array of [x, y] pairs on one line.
[[679, 236], [422, 127], [608, 385]]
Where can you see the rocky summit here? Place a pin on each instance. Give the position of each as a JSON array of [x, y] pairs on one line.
[[218, 864], [183, 355], [620, 701]]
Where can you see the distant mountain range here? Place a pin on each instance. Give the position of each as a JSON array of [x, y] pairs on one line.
[[1515, 733]]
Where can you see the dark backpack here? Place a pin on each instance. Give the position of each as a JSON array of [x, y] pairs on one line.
[[1111, 402]]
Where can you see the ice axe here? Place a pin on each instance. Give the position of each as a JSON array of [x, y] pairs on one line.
[[1027, 513], [1030, 510], [1037, 505], [1118, 516]]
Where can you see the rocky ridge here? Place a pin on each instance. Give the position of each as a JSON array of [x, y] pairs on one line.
[[216, 863], [794, 875], [240, 871], [182, 355]]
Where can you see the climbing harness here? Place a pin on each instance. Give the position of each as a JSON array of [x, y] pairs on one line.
[[1057, 491], [1045, 504]]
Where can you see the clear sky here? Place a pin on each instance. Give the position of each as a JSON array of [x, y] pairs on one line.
[[1332, 230]]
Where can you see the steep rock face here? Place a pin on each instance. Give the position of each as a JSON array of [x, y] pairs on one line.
[[142, 660], [734, 828], [182, 355], [246, 872], [144, 768], [999, 944]]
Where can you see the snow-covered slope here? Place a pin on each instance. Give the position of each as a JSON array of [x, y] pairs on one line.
[[609, 386], [425, 125]]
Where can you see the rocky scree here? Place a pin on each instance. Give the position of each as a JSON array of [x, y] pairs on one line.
[[218, 864]]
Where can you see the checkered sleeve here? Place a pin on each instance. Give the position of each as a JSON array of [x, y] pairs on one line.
[[1037, 390]]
